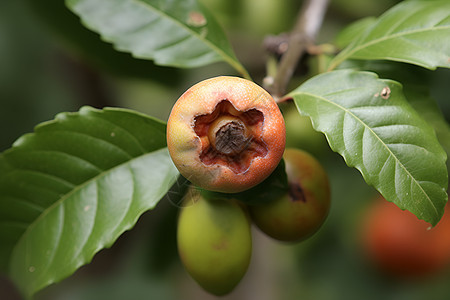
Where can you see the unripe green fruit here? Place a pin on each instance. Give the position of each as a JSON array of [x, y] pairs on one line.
[[214, 242], [300, 212]]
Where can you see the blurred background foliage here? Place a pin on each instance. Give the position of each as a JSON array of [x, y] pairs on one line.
[[49, 64]]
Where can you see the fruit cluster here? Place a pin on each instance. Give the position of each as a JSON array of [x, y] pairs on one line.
[[226, 135]]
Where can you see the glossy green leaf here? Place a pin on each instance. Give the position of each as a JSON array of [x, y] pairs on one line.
[[73, 186], [178, 33], [415, 32], [416, 83], [369, 122]]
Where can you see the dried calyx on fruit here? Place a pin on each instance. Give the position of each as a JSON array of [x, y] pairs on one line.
[[226, 134], [230, 138]]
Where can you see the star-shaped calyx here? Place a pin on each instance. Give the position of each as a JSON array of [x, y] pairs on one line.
[[230, 138]]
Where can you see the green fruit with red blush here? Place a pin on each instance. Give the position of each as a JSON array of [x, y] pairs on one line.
[[300, 211]]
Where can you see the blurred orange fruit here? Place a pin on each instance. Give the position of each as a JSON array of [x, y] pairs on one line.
[[401, 244]]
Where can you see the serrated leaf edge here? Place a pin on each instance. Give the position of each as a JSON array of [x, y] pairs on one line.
[[231, 60]]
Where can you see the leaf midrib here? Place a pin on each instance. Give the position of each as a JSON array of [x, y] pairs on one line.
[[378, 138], [73, 191]]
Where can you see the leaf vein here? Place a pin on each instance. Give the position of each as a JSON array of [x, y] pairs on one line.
[[104, 140], [192, 32], [398, 162], [60, 229], [394, 36]]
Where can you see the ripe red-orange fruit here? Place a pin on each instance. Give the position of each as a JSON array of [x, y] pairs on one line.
[[226, 134], [401, 244]]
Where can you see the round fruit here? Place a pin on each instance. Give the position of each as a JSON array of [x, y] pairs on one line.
[[299, 212], [401, 244], [214, 242], [226, 134]]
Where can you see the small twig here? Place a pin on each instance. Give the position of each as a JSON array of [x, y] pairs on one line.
[[303, 36], [277, 44]]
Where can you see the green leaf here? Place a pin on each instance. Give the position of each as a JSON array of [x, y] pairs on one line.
[[414, 32], [178, 33], [416, 83], [368, 121], [73, 186], [352, 31]]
